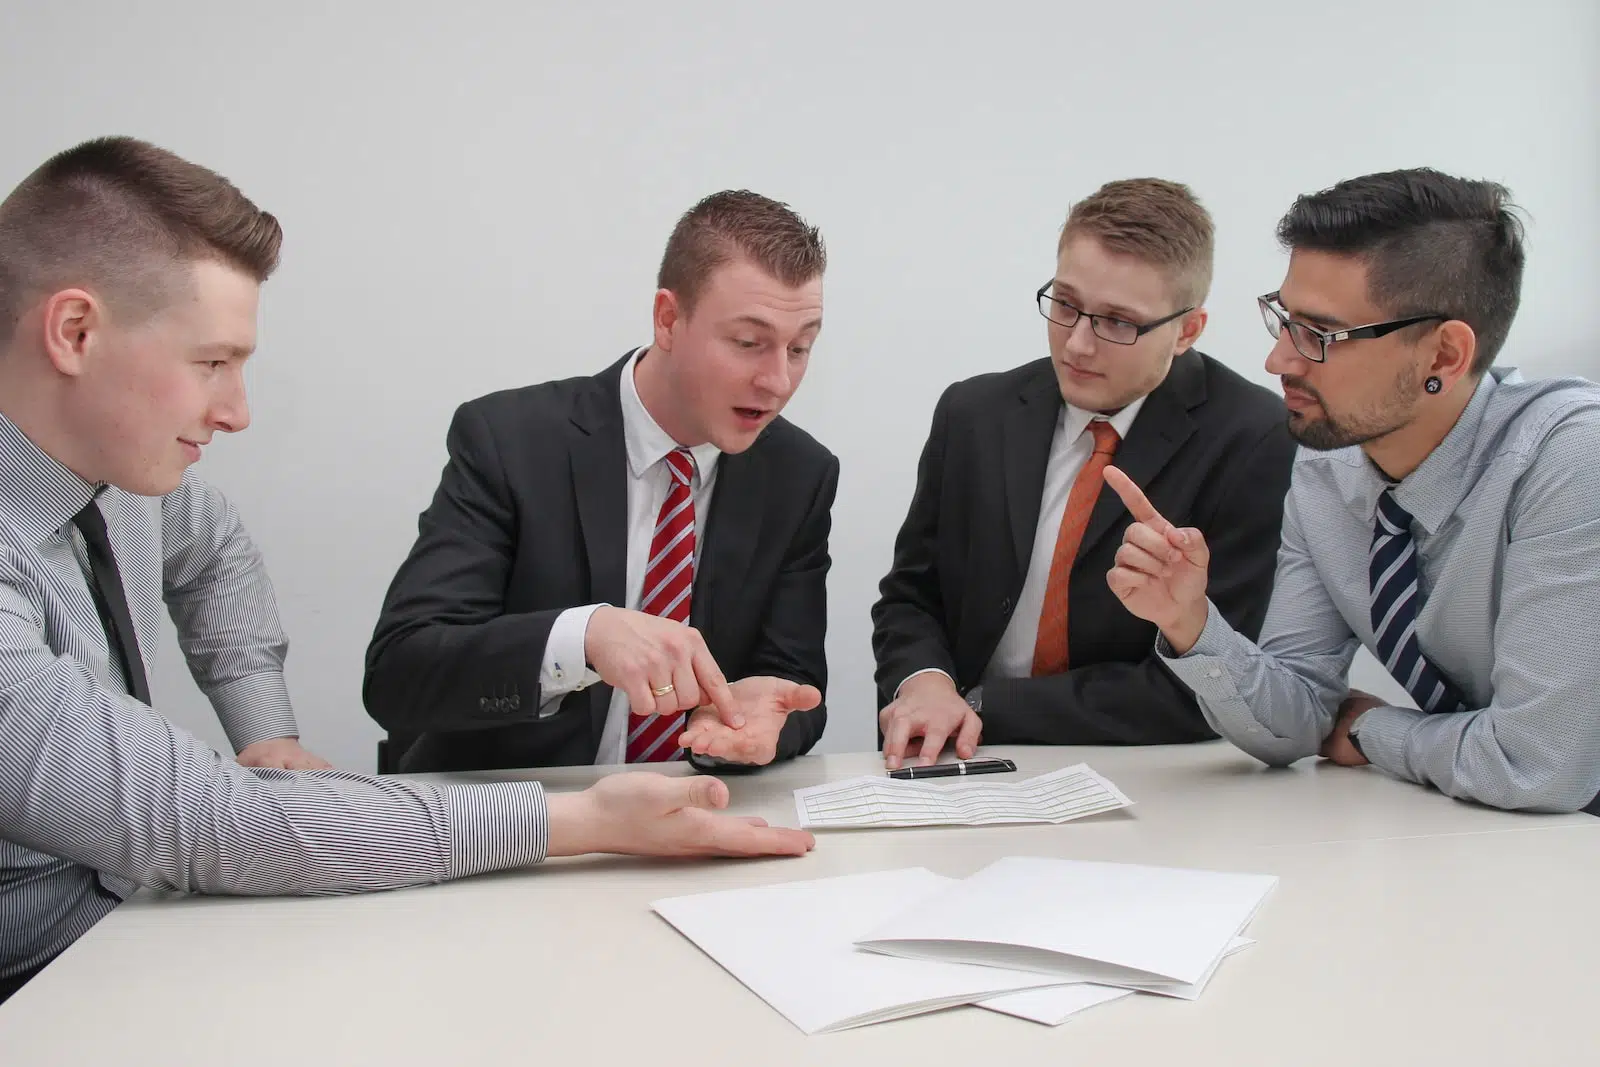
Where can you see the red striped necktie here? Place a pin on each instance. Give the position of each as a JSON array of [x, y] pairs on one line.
[[667, 591]]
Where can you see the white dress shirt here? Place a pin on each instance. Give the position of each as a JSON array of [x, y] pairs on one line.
[[1070, 449], [565, 669]]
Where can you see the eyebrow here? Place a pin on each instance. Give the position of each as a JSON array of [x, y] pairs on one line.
[[235, 351], [1315, 318], [763, 324], [1116, 311]]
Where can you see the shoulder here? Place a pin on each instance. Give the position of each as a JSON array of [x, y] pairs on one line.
[[989, 395], [1546, 434], [1237, 399], [800, 453], [546, 400]]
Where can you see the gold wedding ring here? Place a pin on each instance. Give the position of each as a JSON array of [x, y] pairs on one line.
[[661, 690]]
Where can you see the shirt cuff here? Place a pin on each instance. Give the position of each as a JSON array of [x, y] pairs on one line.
[[565, 668], [925, 670], [495, 826], [254, 708], [1205, 668], [1383, 732]]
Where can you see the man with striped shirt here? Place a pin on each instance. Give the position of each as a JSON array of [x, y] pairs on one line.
[[128, 294], [1444, 513]]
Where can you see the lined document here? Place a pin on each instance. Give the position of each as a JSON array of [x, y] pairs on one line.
[[876, 800]]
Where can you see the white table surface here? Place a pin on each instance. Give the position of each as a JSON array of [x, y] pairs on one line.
[[1407, 928]]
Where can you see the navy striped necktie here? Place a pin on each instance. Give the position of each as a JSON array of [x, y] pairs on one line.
[[1392, 565]]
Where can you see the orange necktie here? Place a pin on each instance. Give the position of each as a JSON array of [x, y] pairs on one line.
[[1050, 647]]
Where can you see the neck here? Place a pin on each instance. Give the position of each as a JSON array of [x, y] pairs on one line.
[[655, 393], [1402, 451], [31, 409]]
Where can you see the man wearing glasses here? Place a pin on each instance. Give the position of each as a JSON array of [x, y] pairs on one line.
[[1446, 515], [995, 621]]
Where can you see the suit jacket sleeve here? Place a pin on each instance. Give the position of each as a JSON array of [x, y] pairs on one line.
[[444, 656], [908, 631], [792, 641], [1143, 703]]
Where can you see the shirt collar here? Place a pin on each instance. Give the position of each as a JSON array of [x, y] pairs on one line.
[[647, 443], [39, 496], [1075, 420], [1431, 492]]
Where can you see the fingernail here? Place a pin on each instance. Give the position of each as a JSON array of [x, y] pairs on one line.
[[738, 721]]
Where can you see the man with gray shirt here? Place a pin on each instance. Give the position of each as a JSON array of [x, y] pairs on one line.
[[128, 289], [1444, 513]]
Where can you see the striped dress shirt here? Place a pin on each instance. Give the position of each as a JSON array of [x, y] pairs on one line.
[[1506, 525], [100, 795]]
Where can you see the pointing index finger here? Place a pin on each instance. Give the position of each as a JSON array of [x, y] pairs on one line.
[[1138, 504]]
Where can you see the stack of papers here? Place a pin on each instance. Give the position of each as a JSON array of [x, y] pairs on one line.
[[874, 800], [1157, 929], [792, 946], [1034, 938]]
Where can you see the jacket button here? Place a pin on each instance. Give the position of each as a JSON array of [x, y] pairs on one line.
[[483, 703], [1005, 606], [516, 701]]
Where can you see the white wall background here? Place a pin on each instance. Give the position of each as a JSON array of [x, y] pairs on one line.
[[476, 196]]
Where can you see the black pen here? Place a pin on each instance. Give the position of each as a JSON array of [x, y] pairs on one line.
[[985, 765]]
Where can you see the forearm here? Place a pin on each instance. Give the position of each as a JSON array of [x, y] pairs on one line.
[[104, 781], [906, 640], [222, 604], [1103, 704], [1552, 768], [446, 676], [1276, 708]]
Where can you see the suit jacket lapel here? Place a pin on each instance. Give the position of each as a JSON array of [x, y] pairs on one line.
[[1163, 425], [729, 533], [1028, 431], [600, 481]]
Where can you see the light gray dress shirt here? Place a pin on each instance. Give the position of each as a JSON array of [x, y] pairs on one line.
[[99, 794], [1506, 523]]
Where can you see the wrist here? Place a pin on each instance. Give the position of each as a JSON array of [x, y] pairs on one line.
[[575, 824], [1182, 634], [929, 683]]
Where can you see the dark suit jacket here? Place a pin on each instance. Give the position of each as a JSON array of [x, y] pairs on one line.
[[1210, 449], [530, 518]]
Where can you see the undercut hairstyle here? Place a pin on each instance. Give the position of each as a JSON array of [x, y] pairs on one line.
[[1433, 244], [120, 218], [736, 223], [1154, 220]]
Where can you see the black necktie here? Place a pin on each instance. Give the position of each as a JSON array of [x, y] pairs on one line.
[[111, 601]]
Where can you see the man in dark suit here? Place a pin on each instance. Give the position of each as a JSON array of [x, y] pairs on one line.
[[995, 621], [603, 553]]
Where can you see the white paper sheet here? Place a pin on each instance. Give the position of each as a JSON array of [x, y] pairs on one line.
[[791, 945], [1054, 1005], [1159, 929], [876, 800]]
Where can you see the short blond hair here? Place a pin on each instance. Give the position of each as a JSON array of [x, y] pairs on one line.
[[1158, 221]]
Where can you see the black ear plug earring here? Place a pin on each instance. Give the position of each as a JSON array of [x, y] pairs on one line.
[[1433, 385]]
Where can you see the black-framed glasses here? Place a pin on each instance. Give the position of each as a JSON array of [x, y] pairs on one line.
[[1106, 327], [1313, 343]]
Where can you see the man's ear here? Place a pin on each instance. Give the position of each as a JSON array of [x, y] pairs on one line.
[[71, 319], [666, 314], [1190, 327], [1455, 347]]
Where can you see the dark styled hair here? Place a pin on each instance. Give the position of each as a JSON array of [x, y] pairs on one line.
[[1433, 244], [739, 223], [116, 216]]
